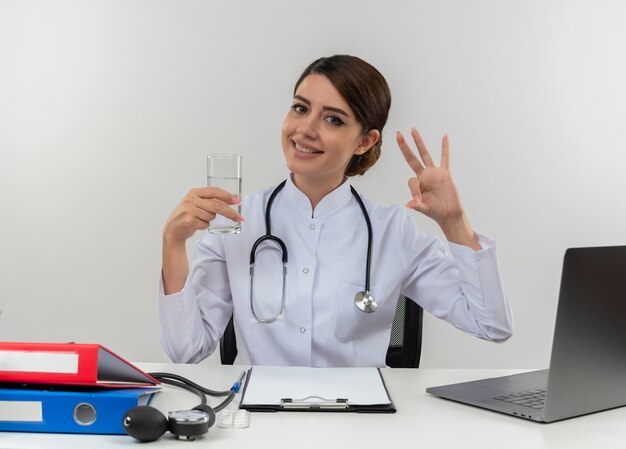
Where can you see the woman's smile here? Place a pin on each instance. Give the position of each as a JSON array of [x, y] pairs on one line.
[[305, 151]]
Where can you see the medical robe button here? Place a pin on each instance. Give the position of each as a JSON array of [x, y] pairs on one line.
[[302, 330], [305, 271], [312, 227]]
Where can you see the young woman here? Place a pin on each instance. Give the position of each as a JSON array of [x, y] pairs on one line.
[[332, 131]]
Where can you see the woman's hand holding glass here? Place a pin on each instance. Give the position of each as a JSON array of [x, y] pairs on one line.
[[433, 191], [196, 210]]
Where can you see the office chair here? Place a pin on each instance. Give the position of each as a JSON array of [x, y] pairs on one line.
[[405, 341]]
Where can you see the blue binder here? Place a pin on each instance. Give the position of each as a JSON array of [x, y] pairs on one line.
[[68, 411]]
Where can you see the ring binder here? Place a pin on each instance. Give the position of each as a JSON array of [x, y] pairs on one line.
[[71, 410], [68, 364]]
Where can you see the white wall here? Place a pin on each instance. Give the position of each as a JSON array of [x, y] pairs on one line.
[[108, 109]]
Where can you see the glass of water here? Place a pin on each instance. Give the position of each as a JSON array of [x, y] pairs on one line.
[[224, 171]]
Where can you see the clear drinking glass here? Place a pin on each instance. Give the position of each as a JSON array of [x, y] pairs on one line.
[[224, 171]]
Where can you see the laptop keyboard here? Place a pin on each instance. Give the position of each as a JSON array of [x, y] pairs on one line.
[[532, 398]]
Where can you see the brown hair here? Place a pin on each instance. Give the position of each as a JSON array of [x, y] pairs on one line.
[[366, 92]]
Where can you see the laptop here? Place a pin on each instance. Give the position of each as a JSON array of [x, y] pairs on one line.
[[588, 362]]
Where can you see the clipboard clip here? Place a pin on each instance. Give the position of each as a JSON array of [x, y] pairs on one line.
[[318, 404]]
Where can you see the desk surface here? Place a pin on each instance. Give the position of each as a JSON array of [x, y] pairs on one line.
[[421, 421]]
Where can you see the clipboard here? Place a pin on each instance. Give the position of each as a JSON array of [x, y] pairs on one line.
[[304, 389]]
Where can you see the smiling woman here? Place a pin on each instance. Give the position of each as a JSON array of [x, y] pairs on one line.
[[332, 130], [321, 136], [365, 93]]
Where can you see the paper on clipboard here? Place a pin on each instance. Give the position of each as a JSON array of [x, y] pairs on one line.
[[271, 385]]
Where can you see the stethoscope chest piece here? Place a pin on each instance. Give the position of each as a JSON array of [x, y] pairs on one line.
[[365, 302]]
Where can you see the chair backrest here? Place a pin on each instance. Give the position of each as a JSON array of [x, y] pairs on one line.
[[405, 342]]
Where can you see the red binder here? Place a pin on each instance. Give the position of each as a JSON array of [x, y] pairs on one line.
[[69, 364]]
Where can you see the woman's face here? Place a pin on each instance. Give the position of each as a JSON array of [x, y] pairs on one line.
[[320, 132]]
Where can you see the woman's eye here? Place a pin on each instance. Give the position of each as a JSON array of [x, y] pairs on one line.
[[334, 120], [300, 109]]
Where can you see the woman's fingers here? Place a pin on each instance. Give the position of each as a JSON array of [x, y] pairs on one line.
[[408, 154], [445, 153], [414, 162], [198, 208], [433, 191], [421, 147], [416, 193], [215, 201], [215, 206], [215, 193], [202, 214]]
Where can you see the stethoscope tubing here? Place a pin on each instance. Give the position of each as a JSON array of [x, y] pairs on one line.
[[369, 238], [269, 237]]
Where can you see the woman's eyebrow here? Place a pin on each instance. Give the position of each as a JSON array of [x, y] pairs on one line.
[[325, 108]]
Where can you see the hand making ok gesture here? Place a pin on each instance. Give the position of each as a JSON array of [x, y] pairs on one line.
[[433, 191]]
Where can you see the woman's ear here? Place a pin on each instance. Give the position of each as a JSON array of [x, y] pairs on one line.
[[367, 141]]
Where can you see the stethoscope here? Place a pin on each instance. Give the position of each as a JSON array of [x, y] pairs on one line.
[[363, 299]]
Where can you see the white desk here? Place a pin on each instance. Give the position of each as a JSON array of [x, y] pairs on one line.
[[422, 421]]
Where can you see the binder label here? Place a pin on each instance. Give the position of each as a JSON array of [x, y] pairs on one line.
[[33, 361], [21, 411]]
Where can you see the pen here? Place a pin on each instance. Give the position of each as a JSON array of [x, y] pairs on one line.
[[237, 385]]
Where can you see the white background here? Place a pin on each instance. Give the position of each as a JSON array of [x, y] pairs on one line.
[[108, 109]]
